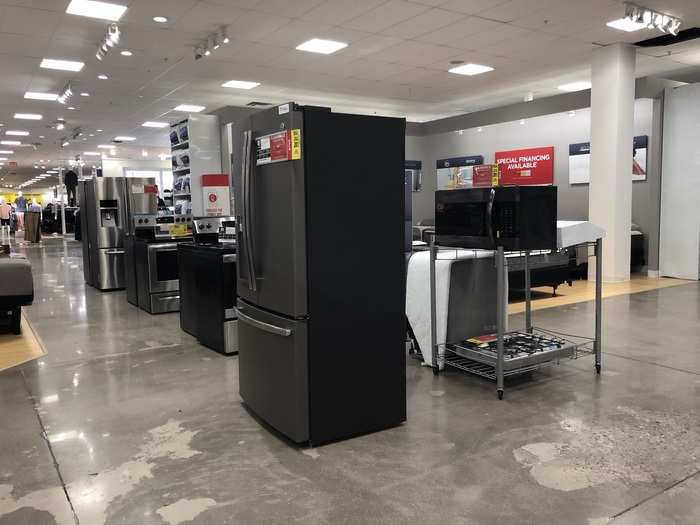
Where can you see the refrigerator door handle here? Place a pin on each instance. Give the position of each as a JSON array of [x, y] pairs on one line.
[[266, 327], [247, 212]]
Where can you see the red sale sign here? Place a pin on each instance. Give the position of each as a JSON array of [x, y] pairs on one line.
[[522, 167]]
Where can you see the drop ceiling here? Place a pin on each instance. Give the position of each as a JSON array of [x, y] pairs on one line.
[[396, 63]]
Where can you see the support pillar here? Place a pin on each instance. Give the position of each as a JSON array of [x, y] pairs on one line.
[[612, 135]]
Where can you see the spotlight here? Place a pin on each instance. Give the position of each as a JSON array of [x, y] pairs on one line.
[[66, 94], [651, 19], [110, 40]]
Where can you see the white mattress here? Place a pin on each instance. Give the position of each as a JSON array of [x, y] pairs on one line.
[[418, 294], [571, 233]]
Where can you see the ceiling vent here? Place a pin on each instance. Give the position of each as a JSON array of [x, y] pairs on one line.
[[668, 40]]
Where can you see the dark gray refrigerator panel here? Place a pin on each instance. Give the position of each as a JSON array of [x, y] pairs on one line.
[[271, 217], [274, 363]]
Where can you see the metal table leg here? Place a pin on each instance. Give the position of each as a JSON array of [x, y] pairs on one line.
[[433, 309], [528, 295], [597, 345], [500, 316]]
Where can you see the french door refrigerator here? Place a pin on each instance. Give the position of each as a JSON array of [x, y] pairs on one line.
[[321, 271]]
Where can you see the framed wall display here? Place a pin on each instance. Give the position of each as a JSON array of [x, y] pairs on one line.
[[414, 172], [580, 161], [525, 167], [456, 173]]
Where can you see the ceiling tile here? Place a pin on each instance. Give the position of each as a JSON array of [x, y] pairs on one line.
[[255, 26], [468, 30], [286, 8], [297, 32], [370, 44], [386, 15], [423, 23], [336, 12], [416, 53], [470, 7]]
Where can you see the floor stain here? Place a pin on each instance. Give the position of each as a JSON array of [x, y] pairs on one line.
[[634, 445], [312, 453], [51, 500], [93, 495], [184, 510]]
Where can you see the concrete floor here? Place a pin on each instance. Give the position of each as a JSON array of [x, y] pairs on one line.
[[144, 426]]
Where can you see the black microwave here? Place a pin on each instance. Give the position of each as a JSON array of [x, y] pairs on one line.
[[515, 217]]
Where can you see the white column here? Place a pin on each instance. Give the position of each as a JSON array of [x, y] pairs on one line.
[[612, 135]]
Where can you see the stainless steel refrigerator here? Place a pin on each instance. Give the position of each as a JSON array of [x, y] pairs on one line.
[[103, 216], [321, 271]]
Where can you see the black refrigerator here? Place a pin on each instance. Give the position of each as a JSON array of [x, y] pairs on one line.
[[321, 271]]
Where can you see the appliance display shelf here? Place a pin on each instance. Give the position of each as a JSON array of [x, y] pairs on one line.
[[180, 145], [181, 171], [498, 361]]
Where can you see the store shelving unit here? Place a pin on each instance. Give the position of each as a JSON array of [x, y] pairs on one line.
[[196, 151], [516, 352]]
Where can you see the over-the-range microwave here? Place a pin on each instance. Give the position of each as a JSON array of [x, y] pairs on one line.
[[515, 217]]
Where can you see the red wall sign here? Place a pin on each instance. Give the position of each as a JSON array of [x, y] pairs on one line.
[[522, 167]]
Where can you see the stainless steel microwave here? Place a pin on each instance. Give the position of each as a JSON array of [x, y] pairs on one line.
[[515, 217]]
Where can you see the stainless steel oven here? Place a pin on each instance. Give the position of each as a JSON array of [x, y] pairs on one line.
[[157, 276], [163, 273]]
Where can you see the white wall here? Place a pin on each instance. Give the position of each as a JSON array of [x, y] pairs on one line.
[[680, 187], [115, 168], [558, 130]]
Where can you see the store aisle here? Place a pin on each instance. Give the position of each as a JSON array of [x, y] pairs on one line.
[[145, 426]]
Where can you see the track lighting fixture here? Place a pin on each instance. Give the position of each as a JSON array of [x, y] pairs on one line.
[[110, 40], [66, 94], [212, 43], [651, 19]]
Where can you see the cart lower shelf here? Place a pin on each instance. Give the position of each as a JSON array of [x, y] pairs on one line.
[[484, 361]]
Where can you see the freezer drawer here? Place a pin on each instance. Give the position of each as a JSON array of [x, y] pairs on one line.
[[111, 269], [273, 369]]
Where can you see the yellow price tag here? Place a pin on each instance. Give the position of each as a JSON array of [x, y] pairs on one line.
[[296, 143], [494, 175], [178, 229]]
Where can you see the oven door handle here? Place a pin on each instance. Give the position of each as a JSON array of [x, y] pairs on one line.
[[114, 252], [266, 327]]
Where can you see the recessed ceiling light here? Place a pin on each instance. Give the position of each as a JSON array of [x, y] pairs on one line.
[[6, 152], [3, 158], [99, 131], [71, 108], [10, 142], [625, 24], [471, 69], [93, 9], [575, 86], [85, 94], [125, 139], [31, 95], [240, 84], [62, 65], [91, 153], [144, 153], [160, 19], [105, 146], [126, 53], [151, 124], [319, 45], [28, 116], [103, 77], [17, 133], [189, 108]]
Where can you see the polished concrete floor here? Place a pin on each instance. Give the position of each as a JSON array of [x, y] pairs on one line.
[[128, 420]]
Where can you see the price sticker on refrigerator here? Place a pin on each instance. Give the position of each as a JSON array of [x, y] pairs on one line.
[[279, 147]]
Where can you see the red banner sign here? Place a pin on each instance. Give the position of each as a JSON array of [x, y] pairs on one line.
[[522, 167]]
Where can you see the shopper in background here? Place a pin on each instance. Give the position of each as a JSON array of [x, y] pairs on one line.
[[71, 182], [20, 208], [5, 211]]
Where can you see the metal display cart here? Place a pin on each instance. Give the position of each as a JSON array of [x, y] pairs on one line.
[[516, 352]]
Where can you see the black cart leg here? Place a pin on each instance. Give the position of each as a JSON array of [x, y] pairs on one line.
[[500, 394], [17, 320]]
